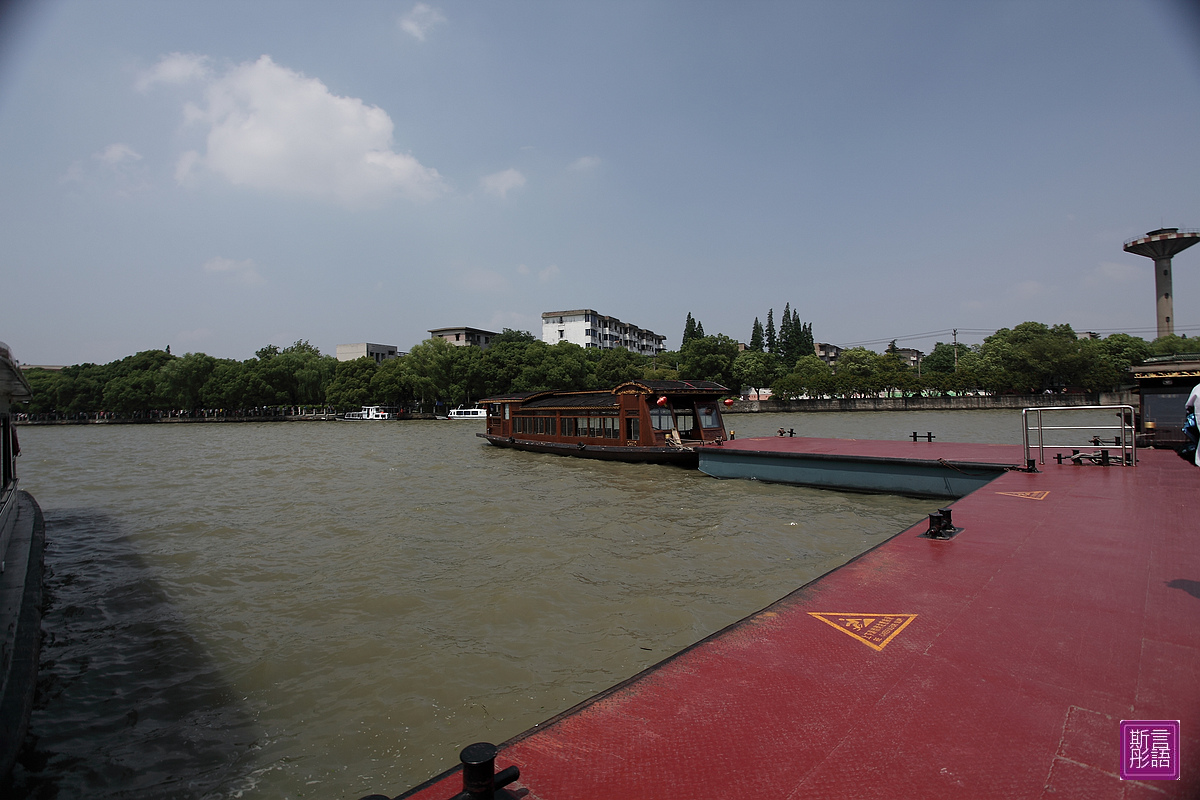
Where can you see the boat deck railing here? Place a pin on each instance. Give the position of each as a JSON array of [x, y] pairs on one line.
[[1034, 434]]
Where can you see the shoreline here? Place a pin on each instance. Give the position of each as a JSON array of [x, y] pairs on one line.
[[972, 403]]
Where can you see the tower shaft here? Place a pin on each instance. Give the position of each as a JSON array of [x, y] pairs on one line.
[[1161, 245]]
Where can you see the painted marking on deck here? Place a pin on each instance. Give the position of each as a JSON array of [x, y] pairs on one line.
[[873, 630], [1027, 495]]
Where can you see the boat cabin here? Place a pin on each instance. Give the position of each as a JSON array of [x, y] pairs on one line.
[[1164, 383], [635, 414], [14, 389]]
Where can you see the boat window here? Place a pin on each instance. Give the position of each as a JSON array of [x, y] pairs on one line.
[[506, 410], [685, 420], [633, 429], [708, 416], [612, 428], [661, 419]]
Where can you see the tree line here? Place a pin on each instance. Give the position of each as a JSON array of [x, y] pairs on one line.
[[1029, 358]]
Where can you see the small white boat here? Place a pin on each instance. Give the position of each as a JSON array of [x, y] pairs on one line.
[[370, 412], [468, 413]]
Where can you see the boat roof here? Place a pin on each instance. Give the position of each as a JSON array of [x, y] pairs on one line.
[[607, 398], [13, 384], [671, 387]]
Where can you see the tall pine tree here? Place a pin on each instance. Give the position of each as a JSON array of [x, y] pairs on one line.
[[689, 330], [772, 343], [756, 337], [787, 340], [807, 346]]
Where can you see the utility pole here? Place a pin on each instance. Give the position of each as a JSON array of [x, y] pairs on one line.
[[956, 349]]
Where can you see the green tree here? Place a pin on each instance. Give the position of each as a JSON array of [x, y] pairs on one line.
[[756, 337], [1030, 357], [689, 330], [351, 385], [811, 377], [393, 383], [508, 336], [45, 385], [562, 367], [805, 346], [432, 365], [1125, 351], [857, 372], [709, 358], [1174, 345], [133, 392], [786, 344], [754, 369], [183, 380], [618, 366], [772, 341], [942, 358]]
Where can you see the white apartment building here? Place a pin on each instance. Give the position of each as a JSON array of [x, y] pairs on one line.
[[587, 328], [379, 352]]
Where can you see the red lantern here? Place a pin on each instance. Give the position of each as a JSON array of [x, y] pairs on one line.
[[728, 402], [662, 401]]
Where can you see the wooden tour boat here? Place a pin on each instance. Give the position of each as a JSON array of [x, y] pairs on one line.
[[654, 421]]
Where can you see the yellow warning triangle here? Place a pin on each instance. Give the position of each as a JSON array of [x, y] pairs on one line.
[[873, 630], [1027, 495]]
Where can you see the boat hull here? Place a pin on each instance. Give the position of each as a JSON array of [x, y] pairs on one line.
[[683, 457]]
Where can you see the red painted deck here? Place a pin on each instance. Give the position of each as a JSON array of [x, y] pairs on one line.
[[1070, 601]]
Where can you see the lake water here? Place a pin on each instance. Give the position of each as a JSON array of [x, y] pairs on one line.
[[326, 610]]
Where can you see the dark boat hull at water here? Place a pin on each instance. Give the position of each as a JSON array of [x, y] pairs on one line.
[[661, 422], [679, 456]]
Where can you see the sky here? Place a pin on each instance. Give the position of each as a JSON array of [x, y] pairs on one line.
[[218, 176]]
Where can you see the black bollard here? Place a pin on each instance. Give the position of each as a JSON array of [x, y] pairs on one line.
[[480, 779]]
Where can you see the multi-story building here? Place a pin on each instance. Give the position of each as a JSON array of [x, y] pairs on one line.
[[910, 356], [465, 337], [828, 353], [379, 352], [587, 328]]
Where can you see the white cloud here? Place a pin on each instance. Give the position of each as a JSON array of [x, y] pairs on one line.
[[118, 153], [74, 173], [1029, 289], [273, 129], [482, 280], [543, 275], [243, 272], [501, 183], [1112, 274], [197, 335], [175, 68], [420, 20], [584, 164]]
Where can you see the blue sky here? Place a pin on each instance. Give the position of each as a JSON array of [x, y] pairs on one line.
[[217, 176]]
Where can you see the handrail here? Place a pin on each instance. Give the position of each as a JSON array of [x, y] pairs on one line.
[[1126, 438]]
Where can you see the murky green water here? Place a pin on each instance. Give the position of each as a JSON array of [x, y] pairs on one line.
[[326, 610]]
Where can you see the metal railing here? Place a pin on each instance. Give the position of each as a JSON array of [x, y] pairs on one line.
[[1125, 439]]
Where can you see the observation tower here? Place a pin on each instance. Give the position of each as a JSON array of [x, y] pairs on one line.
[[1162, 245]]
